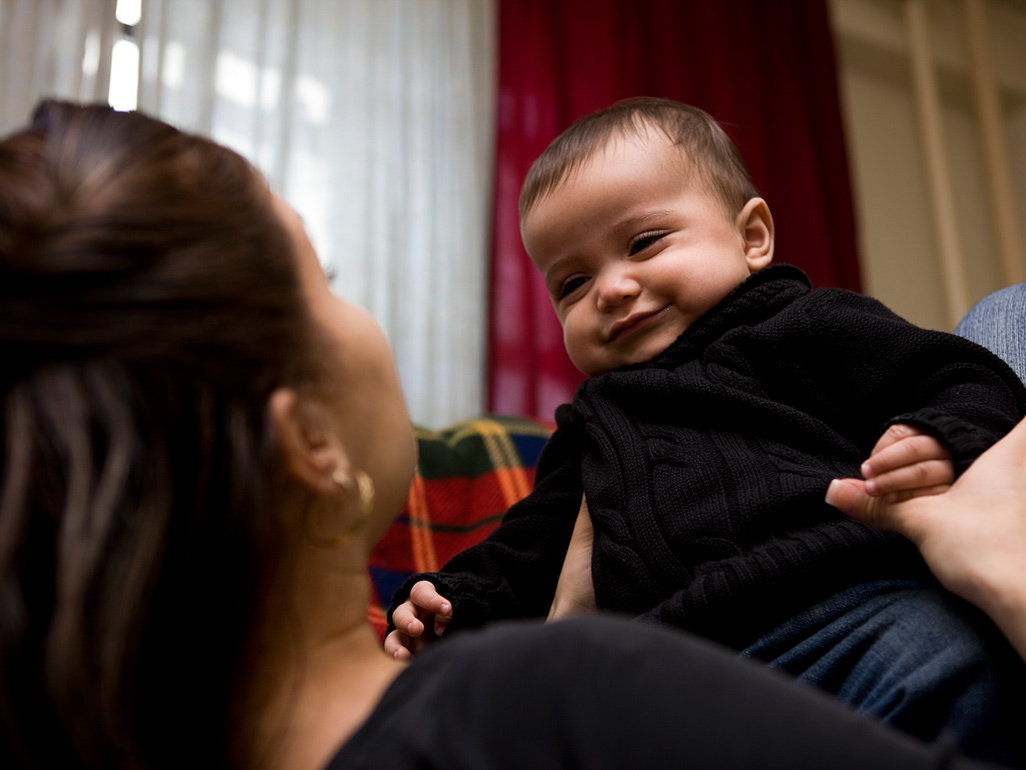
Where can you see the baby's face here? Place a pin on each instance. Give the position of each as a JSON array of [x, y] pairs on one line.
[[634, 249]]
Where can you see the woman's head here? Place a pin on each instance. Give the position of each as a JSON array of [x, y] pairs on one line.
[[150, 305], [358, 418], [115, 226]]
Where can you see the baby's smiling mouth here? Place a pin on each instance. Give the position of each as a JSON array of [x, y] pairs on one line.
[[632, 324]]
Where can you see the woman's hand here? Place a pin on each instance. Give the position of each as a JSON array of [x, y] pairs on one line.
[[575, 591], [972, 536]]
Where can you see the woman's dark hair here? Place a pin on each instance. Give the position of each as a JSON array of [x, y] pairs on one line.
[[149, 304]]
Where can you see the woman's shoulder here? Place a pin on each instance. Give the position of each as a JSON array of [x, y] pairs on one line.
[[463, 699]]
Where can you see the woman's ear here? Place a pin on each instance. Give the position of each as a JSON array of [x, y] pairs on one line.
[[309, 450], [755, 223]]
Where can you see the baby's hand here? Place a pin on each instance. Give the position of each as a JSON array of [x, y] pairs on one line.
[[418, 621], [972, 537], [906, 463]]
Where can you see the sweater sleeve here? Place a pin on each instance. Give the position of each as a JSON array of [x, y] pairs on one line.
[[513, 572], [890, 371]]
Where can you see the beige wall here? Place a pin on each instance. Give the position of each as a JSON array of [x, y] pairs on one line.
[[900, 241]]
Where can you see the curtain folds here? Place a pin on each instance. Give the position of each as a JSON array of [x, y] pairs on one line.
[[374, 118], [55, 48], [765, 70]]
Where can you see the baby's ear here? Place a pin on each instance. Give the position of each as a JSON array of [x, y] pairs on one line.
[[755, 223]]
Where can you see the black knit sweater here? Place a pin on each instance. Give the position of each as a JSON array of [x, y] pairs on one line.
[[705, 468]]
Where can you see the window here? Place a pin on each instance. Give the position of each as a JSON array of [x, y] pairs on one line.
[[124, 61]]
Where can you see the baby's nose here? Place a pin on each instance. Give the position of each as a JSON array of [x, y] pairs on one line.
[[617, 289]]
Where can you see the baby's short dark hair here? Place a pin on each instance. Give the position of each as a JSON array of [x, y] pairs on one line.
[[700, 138]]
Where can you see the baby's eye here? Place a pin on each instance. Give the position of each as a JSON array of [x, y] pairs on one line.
[[570, 285], [643, 241]]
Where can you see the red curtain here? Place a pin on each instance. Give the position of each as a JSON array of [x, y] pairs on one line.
[[765, 70]]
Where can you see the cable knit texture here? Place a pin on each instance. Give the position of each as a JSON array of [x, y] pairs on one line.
[[705, 468]]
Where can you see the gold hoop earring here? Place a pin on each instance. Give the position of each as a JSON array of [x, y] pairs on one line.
[[356, 483]]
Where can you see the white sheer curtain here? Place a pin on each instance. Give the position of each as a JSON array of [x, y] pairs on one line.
[[58, 48], [374, 118]]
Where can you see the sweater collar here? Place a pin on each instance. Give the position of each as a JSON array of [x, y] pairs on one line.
[[760, 296]]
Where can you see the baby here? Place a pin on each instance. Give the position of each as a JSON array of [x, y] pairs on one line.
[[724, 395]]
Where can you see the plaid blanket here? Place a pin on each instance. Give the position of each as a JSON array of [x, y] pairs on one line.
[[466, 478]]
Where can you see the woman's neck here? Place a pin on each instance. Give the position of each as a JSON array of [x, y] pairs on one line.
[[318, 670]]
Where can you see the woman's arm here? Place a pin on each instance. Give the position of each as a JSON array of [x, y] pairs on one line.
[[575, 591]]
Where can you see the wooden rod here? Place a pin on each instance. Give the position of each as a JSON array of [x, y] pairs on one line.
[[995, 145], [938, 171]]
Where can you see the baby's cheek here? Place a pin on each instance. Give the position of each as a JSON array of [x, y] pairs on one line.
[[581, 338], [573, 335]]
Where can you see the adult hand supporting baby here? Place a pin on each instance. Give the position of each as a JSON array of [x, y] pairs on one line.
[[575, 590], [972, 536]]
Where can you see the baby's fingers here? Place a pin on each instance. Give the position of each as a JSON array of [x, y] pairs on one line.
[[911, 448], [405, 619], [397, 645], [426, 596], [919, 476], [893, 435]]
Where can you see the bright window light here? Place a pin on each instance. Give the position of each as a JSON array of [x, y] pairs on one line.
[[91, 54], [124, 76], [129, 12]]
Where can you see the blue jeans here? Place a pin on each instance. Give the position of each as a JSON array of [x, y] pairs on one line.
[[998, 322], [913, 656]]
